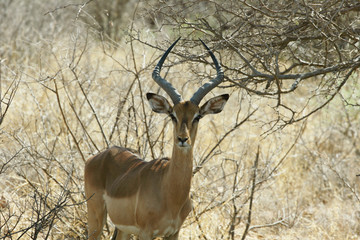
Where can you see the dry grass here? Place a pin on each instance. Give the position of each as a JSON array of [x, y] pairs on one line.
[[71, 88]]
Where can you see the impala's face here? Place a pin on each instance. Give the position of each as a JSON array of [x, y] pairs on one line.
[[185, 117]]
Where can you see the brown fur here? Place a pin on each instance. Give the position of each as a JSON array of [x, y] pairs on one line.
[[117, 170]]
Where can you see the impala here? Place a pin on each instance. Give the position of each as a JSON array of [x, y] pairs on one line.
[[150, 199]]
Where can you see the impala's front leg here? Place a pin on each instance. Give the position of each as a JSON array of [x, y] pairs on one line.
[[119, 235], [144, 235]]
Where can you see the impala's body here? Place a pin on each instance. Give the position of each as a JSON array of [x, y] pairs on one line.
[[136, 204], [149, 199]]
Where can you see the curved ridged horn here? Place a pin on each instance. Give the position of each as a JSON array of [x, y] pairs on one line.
[[168, 88], [207, 87]]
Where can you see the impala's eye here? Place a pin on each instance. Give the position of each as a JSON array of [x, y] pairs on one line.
[[173, 118]]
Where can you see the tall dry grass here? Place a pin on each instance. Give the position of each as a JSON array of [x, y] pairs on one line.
[[76, 95]]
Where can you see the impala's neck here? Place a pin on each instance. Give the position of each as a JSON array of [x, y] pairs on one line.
[[178, 179]]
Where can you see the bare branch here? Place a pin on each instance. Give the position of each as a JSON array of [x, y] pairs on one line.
[[255, 168], [207, 157], [7, 97]]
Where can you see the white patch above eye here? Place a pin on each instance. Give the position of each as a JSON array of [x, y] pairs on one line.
[[195, 116], [173, 116]]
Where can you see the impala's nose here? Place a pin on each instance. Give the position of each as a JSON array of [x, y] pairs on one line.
[[182, 140]]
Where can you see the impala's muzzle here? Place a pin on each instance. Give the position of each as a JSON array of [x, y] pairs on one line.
[[183, 141]]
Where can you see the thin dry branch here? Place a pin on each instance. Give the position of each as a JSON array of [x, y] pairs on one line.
[[137, 76], [255, 168], [207, 157], [80, 5], [7, 97], [66, 122]]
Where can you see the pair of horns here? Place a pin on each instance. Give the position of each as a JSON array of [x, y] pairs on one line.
[[201, 92]]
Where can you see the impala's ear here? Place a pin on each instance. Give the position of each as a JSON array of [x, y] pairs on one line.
[[214, 105], [158, 103]]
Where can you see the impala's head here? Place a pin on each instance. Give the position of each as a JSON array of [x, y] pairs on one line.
[[185, 115]]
